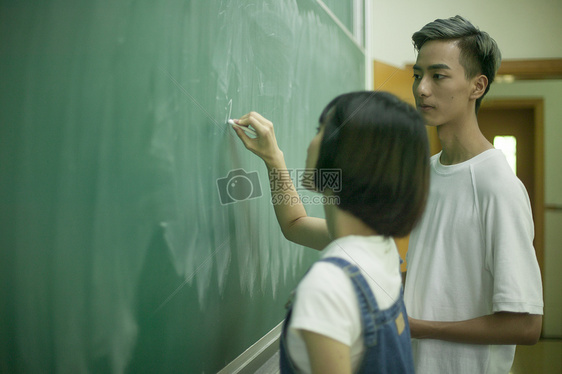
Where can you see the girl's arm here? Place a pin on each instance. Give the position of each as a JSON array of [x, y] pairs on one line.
[[327, 356], [294, 222]]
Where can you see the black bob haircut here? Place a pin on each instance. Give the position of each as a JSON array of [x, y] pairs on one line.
[[379, 143]]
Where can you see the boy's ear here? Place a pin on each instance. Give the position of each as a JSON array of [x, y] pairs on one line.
[[479, 86]]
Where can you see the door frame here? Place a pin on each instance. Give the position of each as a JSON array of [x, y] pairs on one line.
[[537, 105]]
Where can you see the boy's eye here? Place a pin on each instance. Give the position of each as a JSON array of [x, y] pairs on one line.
[[417, 76], [438, 76], [318, 129]]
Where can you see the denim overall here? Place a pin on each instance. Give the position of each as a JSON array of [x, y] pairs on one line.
[[386, 333]]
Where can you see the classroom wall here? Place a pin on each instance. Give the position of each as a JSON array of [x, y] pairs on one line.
[[523, 29], [550, 91], [119, 250]]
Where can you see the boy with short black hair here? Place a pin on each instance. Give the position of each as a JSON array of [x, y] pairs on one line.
[[473, 277]]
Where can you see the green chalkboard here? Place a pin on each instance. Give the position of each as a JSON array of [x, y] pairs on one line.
[[120, 249]]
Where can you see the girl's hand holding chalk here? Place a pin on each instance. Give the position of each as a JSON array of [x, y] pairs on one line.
[[264, 145], [244, 128]]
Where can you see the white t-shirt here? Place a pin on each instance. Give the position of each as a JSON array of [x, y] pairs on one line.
[[471, 255], [326, 303]]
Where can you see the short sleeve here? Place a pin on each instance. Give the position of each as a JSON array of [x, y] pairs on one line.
[[326, 304], [511, 256]]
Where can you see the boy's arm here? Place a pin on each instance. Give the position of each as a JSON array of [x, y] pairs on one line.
[[497, 328]]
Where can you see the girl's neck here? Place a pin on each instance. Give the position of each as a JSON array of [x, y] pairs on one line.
[[342, 223]]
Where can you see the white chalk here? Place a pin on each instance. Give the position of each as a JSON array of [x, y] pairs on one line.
[[245, 128]]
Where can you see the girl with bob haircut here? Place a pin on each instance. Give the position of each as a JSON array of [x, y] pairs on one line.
[[348, 313]]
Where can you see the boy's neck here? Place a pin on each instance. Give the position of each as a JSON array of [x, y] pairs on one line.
[[461, 141]]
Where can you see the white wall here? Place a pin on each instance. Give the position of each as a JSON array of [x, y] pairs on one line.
[[523, 29]]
